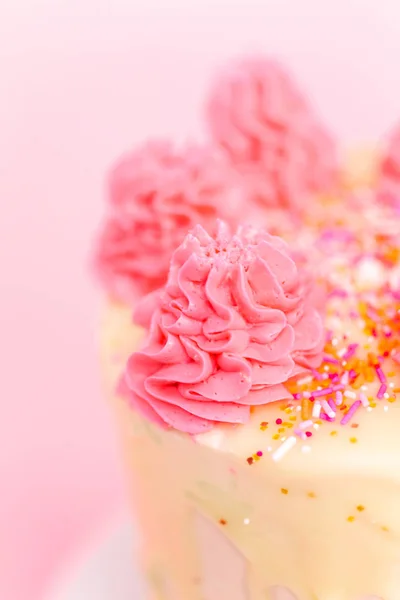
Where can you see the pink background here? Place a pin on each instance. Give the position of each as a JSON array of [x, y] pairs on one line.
[[81, 80]]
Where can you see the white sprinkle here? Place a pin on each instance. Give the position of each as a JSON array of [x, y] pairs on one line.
[[306, 449], [369, 408], [269, 449], [283, 438], [331, 413], [391, 384], [326, 368], [344, 363], [364, 399], [364, 388], [298, 408], [316, 411], [345, 378], [246, 521], [304, 424], [305, 380], [334, 342], [284, 448], [386, 395], [349, 394], [316, 426], [385, 408]]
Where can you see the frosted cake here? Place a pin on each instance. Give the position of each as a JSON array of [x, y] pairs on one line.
[[257, 385]]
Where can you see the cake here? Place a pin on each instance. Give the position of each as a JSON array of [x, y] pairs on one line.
[[257, 394]]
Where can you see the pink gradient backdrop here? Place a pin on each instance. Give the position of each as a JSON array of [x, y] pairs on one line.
[[80, 81]]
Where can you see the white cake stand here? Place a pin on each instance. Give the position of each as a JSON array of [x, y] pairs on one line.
[[106, 571]]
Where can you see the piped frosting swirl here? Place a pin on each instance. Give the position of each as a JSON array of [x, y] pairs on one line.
[[233, 324]]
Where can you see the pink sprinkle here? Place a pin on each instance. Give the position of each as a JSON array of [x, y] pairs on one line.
[[381, 374], [353, 408], [325, 417], [345, 378], [278, 421], [308, 433], [381, 391], [350, 351], [352, 374], [259, 453], [331, 360], [364, 399], [338, 387], [316, 374], [332, 404], [338, 293], [325, 392], [339, 398], [297, 396]]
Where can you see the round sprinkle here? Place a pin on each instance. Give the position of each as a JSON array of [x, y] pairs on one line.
[[284, 491], [259, 453], [353, 440], [308, 433], [222, 522], [278, 421], [246, 521]]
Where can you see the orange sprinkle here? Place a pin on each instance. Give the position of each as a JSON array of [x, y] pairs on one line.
[[222, 521], [305, 409], [360, 508], [311, 495], [250, 460]]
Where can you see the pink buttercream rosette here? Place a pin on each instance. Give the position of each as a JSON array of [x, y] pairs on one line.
[[156, 194], [270, 132], [389, 171], [234, 322]]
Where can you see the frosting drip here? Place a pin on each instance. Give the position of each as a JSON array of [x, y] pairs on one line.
[[234, 322]]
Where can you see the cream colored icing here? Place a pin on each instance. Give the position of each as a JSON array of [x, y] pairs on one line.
[[301, 540]]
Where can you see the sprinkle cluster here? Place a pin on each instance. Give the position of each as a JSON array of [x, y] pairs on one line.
[[361, 364]]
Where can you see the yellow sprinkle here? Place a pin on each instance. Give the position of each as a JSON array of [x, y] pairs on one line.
[[293, 418], [311, 495], [284, 491], [391, 374], [353, 440], [276, 436], [318, 422], [392, 399], [288, 410], [372, 404], [351, 519], [384, 528], [281, 429], [334, 432], [360, 508], [289, 425]]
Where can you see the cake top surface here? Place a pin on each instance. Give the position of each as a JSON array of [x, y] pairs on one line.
[[283, 337]]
